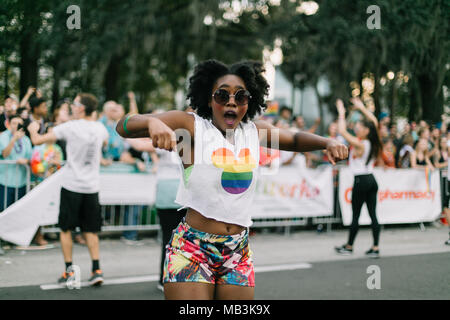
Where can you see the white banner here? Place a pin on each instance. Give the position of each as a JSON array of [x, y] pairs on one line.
[[404, 196], [40, 206], [294, 192], [20, 221], [127, 189]]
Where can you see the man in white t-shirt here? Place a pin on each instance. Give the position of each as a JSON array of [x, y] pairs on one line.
[[79, 204]]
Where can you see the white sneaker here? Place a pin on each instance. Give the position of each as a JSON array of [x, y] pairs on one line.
[[160, 287]]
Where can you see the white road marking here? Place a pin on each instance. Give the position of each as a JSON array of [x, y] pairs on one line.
[[155, 277], [106, 282], [282, 267]]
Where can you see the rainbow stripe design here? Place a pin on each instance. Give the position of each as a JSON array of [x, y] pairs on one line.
[[272, 109], [428, 179], [237, 174]]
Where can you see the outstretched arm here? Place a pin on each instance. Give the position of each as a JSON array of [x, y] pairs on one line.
[[299, 141], [37, 138], [141, 144], [159, 127]]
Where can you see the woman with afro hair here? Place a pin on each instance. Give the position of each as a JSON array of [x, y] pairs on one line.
[[208, 256]]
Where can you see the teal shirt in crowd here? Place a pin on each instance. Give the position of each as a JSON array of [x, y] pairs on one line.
[[166, 192], [12, 175], [115, 141], [168, 178]]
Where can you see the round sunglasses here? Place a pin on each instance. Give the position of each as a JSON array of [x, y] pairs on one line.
[[241, 97]]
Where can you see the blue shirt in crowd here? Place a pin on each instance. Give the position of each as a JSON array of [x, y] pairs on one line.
[[115, 141], [13, 175]]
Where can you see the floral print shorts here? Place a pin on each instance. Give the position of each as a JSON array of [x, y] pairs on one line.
[[196, 256]]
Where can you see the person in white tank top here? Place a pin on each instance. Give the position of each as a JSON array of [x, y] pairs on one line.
[[365, 149], [208, 256]]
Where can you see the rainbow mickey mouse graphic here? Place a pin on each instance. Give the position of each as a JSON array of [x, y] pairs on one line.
[[237, 174]]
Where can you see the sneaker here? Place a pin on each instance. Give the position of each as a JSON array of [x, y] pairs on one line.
[[132, 242], [160, 287], [97, 278], [373, 253], [343, 250], [447, 242], [64, 278]]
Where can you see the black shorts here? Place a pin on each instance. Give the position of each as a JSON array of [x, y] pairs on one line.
[[447, 195], [79, 210]]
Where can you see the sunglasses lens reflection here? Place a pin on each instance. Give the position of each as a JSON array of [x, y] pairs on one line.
[[221, 96], [241, 97]]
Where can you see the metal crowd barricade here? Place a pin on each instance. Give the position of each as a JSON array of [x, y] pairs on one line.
[[114, 219], [336, 217], [8, 163], [4, 195], [129, 218], [444, 188], [120, 218]]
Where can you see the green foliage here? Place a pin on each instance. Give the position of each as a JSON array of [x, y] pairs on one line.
[[151, 46], [336, 43]]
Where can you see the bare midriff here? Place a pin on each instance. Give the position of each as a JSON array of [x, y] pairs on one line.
[[198, 221]]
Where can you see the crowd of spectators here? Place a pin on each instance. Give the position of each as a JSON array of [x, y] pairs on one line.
[[405, 145]]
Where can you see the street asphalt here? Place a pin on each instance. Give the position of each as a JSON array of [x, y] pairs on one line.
[[414, 265]]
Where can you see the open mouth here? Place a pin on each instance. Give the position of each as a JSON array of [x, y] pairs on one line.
[[230, 117]]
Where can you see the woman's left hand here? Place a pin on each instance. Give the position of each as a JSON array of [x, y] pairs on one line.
[[336, 151]]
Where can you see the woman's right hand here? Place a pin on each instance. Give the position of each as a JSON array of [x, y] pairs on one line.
[[162, 136]]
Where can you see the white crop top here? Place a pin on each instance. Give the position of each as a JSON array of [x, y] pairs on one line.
[[221, 183], [358, 165]]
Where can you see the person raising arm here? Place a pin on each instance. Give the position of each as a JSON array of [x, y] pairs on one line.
[[366, 148]]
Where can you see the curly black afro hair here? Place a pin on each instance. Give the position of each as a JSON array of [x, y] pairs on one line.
[[206, 74]]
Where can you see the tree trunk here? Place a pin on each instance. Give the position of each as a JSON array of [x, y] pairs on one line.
[[111, 78], [414, 100], [321, 113], [5, 77], [29, 55], [393, 100], [376, 93], [432, 98], [55, 88]]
